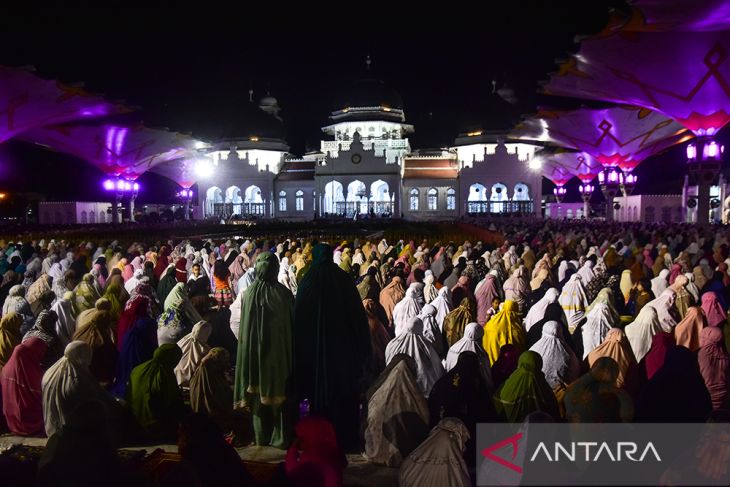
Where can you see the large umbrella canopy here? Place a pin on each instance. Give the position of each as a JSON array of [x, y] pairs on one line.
[[28, 102], [121, 150], [619, 136], [668, 60]]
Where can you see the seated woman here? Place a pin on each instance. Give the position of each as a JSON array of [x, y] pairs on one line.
[[397, 418], [526, 391], [153, 394], [439, 460], [20, 387], [194, 347], [178, 316], [210, 392], [68, 384], [94, 327]]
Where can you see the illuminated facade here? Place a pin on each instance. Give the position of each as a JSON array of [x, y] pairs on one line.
[[366, 166]]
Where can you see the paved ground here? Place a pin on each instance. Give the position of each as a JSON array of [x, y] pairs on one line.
[[359, 473]]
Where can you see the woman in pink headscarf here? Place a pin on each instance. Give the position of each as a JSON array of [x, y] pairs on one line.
[[714, 313], [675, 271], [461, 290], [20, 383], [127, 271], [714, 365]]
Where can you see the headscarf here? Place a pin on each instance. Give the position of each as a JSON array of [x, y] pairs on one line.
[[626, 284], [654, 359], [537, 311], [137, 307], [397, 418], [153, 395], [411, 342], [600, 318], [666, 312], [714, 364], [85, 294], [439, 460], [194, 347], [429, 289], [660, 283], [687, 332], [41, 286], [503, 328], [559, 363], [716, 316], [68, 384], [379, 336], [405, 309], [692, 288], [166, 284], [517, 289], [209, 391], [20, 388], [486, 293], [432, 331], [588, 400], [9, 335], [456, 320], [117, 297], [178, 315], [138, 345], [94, 327], [391, 295], [617, 347], [574, 301], [471, 342], [443, 305], [526, 391]]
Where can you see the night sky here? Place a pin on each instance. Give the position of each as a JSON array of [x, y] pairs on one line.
[[189, 68]]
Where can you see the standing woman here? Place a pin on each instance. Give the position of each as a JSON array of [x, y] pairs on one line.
[[222, 281], [264, 362]]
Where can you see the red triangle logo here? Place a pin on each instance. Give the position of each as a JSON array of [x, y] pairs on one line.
[[488, 452]]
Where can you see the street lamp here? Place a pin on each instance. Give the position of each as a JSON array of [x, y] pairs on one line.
[[559, 193], [609, 181], [122, 187], [627, 182], [704, 160], [187, 196], [586, 190]]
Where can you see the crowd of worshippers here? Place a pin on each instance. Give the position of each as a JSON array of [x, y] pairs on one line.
[[394, 349]]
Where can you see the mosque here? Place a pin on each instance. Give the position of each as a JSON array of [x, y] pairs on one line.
[[365, 166]]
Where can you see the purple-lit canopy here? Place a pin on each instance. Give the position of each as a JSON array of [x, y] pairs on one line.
[[618, 136], [28, 102], [182, 171], [122, 151], [684, 15], [683, 74], [579, 164]]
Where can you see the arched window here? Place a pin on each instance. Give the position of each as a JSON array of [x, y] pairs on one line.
[[413, 206], [451, 199], [282, 200], [299, 200], [92, 216], [433, 199], [83, 217]]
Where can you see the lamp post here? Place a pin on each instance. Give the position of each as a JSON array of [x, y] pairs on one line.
[[586, 190], [704, 158], [187, 196], [120, 188], [559, 193], [608, 179], [627, 182]]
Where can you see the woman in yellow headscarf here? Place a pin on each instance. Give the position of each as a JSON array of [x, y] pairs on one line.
[[503, 328]]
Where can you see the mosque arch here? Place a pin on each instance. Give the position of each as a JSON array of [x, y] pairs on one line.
[[477, 192], [299, 200], [282, 200], [413, 199], [92, 216], [521, 192], [333, 196], [499, 198], [357, 197], [432, 199], [84, 217], [451, 199], [252, 195], [233, 195]]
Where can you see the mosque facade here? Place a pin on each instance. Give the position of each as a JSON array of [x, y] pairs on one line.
[[365, 166]]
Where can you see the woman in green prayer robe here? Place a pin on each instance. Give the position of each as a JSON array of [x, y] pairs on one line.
[[331, 345], [526, 391], [264, 361], [153, 395]]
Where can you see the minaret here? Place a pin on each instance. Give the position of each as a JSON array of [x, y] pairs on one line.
[[368, 62]]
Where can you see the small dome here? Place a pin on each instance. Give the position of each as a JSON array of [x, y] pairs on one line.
[[268, 101], [368, 93]]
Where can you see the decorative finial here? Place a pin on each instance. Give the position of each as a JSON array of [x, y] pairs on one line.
[[250, 95], [368, 61]]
